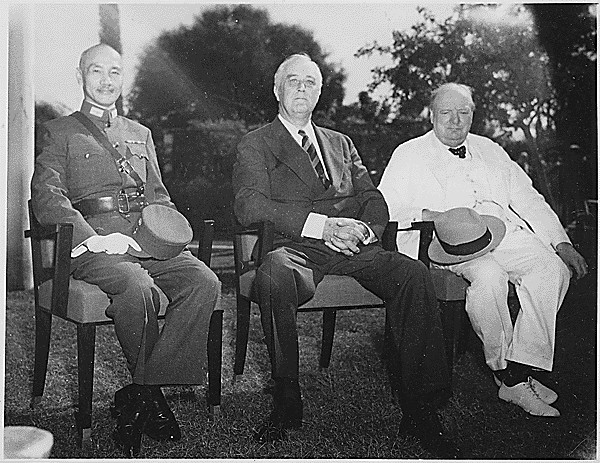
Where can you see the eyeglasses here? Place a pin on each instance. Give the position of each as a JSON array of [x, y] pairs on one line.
[[295, 82]]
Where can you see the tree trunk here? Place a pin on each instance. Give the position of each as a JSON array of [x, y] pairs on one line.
[[110, 34]]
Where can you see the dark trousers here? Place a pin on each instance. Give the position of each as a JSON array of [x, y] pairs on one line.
[[417, 359], [175, 354]]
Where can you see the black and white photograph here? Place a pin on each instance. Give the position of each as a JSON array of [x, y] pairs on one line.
[[299, 231]]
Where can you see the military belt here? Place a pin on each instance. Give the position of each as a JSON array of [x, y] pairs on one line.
[[122, 202]]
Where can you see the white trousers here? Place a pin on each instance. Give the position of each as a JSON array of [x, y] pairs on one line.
[[541, 279]]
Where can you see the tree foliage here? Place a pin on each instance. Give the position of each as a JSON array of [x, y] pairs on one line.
[[222, 67], [500, 60], [44, 112], [568, 34]]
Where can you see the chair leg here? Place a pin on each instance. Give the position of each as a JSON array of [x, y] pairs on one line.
[[215, 342], [43, 328], [465, 331], [86, 342], [327, 340], [451, 322], [241, 334]]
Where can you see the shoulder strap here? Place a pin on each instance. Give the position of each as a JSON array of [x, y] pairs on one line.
[[123, 163]]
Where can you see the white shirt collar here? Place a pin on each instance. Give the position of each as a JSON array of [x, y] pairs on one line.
[[293, 130], [446, 148]]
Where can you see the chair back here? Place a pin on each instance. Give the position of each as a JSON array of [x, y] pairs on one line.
[[51, 257]]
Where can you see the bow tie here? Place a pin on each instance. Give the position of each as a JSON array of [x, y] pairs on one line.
[[461, 151]]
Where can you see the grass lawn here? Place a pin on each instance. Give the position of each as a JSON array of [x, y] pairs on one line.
[[349, 412]]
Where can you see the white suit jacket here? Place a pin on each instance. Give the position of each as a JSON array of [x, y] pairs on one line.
[[415, 179]]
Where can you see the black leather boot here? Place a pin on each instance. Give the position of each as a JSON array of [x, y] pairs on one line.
[[287, 412], [131, 420], [161, 424], [423, 422]]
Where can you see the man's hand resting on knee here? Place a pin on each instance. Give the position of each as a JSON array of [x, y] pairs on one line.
[[344, 235], [572, 259]]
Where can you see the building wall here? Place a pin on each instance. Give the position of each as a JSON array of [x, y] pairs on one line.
[[20, 148]]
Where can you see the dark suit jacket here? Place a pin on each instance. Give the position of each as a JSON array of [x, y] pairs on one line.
[[273, 180]]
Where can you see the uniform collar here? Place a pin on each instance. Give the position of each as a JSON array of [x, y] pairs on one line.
[[98, 112]]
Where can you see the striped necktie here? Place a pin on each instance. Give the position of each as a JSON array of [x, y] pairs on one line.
[[314, 158]]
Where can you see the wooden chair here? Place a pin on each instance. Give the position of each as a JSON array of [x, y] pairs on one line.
[[58, 294], [450, 290], [334, 293], [344, 293]]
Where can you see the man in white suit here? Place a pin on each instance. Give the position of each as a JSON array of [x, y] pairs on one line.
[[449, 167]]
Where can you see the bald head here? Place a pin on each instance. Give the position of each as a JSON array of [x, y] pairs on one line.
[[100, 73], [88, 55], [459, 89]]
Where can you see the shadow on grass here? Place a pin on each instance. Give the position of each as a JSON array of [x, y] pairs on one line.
[[349, 412]]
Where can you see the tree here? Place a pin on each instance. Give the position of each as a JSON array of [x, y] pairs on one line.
[[568, 34], [44, 112], [222, 67], [110, 34], [500, 60]]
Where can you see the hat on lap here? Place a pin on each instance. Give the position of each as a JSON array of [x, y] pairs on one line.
[[461, 234], [162, 232]]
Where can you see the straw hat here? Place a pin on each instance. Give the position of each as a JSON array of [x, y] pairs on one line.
[[461, 234]]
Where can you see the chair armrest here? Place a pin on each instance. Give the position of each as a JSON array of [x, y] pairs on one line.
[[425, 229], [51, 254], [426, 235], [265, 231], [62, 268], [265, 240], [205, 242], [388, 239]]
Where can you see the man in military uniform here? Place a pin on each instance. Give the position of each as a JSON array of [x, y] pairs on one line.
[[77, 180]]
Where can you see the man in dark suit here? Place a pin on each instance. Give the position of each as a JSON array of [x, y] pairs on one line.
[[329, 218], [77, 180]]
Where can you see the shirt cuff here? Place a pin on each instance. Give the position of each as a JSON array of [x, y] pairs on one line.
[[372, 238], [314, 225], [79, 249]]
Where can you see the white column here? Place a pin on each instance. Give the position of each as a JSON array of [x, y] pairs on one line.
[[21, 122]]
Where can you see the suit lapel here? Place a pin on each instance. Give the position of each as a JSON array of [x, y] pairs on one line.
[[284, 147], [331, 150]]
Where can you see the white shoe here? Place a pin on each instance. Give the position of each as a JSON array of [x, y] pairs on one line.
[[525, 396], [544, 392]]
